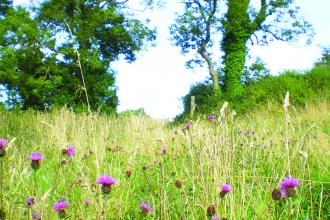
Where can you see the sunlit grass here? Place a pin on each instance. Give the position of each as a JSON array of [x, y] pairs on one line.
[[248, 152]]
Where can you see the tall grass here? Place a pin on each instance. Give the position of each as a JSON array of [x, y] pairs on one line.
[[248, 152]]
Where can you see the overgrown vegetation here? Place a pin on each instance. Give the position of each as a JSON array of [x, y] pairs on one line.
[[178, 172], [261, 88]]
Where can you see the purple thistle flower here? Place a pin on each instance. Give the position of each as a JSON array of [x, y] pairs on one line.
[[145, 208], [35, 215], [87, 202], [283, 196], [60, 206], [35, 160], [36, 156], [3, 143], [289, 182], [163, 150], [30, 201], [187, 125], [70, 151], [106, 180], [215, 218], [211, 117], [307, 218], [226, 188]]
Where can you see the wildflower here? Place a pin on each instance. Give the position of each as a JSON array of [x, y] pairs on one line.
[[128, 171], [30, 201], [211, 210], [178, 183], [187, 125], [211, 117], [63, 162], [69, 151], [288, 184], [87, 202], [215, 218], [163, 150], [60, 207], [35, 160], [91, 151], [106, 182], [225, 188], [276, 194], [3, 143], [35, 215], [145, 209]]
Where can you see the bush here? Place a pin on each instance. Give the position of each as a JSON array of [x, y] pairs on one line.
[[207, 102], [319, 80], [303, 87]]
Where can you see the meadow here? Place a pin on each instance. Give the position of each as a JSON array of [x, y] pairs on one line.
[[223, 167]]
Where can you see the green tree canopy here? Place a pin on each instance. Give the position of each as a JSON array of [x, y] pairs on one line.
[[64, 52], [240, 22]]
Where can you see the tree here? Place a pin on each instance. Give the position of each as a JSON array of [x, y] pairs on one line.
[[193, 30], [242, 23], [80, 40], [5, 5], [275, 20], [255, 72], [325, 59], [24, 68]]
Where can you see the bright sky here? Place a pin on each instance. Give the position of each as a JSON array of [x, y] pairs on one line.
[[158, 79]]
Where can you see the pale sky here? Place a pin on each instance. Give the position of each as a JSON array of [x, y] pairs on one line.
[[158, 79]]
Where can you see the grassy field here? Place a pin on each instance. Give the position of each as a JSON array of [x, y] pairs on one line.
[[177, 171]]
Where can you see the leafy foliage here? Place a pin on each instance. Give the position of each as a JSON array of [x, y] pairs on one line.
[[65, 44], [202, 23], [260, 88]]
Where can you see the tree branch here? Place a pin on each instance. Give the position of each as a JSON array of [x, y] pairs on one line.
[[260, 18]]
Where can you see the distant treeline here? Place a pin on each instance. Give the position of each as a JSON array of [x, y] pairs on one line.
[[261, 88]]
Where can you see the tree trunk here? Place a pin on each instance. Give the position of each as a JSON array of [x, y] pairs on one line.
[[213, 73], [234, 61], [236, 33]]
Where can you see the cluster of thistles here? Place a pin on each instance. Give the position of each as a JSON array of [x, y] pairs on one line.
[[287, 188]]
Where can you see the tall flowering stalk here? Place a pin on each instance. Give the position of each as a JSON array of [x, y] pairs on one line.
[[287, 121], [107, 182]]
